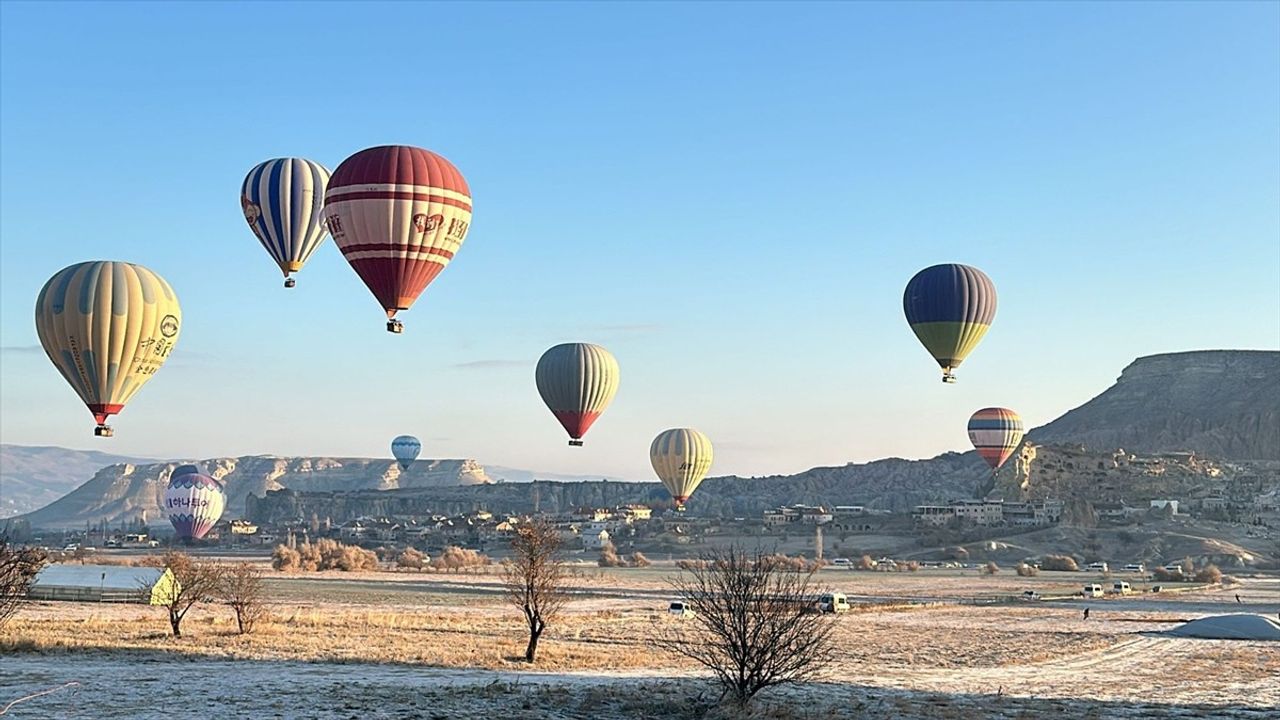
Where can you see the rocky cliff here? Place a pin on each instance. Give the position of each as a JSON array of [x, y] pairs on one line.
[[1218, 403], [127, 491]]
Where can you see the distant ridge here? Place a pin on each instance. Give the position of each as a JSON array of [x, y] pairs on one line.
[[1223, 404]]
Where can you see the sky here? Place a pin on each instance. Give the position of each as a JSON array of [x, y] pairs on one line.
[[730, 197]]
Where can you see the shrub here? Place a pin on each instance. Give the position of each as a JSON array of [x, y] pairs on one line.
[[455, 558], [412, 558], [1209, 574], [990, 568], [286, 559], [694, 564], [639, 560], [1064, 563], [1025, 570], [866, 563], [609, 557], [1166, 576], [324, 554], [909, 566]]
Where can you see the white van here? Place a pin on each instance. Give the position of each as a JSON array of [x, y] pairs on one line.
[[1093, 590], [1097, 567], [1120, 587], [1135, 568], [680, 609], [842, 562], [833, 603]]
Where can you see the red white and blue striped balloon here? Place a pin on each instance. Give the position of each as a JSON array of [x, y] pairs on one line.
[[194, 502], [282, 201], [995, 434]]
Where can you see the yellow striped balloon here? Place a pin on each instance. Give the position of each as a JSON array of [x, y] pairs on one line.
[[107, 326], [681, 457]]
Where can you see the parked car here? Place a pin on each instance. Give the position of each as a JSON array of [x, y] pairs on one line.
[[1135, 568], [842, 562], [1097, 567], [833, 603], [1092, 590], [1120, 587], [1157, 588], [679, 609], [1030, 595]]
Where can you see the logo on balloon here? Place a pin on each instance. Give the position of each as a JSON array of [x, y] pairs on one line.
[[251, 211], [169, 326], [424, 223], [334, 222]]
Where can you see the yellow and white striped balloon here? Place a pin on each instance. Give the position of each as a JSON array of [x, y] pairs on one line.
[[108, 327], [681, 457]]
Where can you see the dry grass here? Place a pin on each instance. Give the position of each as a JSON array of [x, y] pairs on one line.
[[435, 636]]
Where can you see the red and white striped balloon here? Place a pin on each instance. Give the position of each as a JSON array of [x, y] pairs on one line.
[[398, 214]]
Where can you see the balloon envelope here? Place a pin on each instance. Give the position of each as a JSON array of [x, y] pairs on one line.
[[577, 381], [405, 449], [282, 201], [995, 434], [950, 307], [398, 214], [194, 502], [681, 458], [108, 327]]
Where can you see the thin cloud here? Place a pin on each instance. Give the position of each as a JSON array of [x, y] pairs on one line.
[[634, 328], [490, 364], [21, 349]]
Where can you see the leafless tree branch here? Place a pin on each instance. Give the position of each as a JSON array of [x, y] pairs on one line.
[[755, 622], [535, 579]]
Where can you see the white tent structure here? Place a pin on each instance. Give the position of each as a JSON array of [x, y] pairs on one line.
[[102, 583], [1230, 627]]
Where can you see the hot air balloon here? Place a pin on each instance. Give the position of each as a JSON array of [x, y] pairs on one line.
[[194, 502], [577, 381], [681, 457], [282, 201], [108, 327], [398, 214], [950, 307], [405, 448], [995, 434]]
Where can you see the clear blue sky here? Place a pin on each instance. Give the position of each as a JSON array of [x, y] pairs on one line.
[[729, 197]]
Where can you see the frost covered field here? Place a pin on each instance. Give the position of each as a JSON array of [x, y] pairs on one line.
[[391, 646]]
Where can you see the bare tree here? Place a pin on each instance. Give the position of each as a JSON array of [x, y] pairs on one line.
[[194, 581], [18, 567], [534, 579], [241, 587], [755, 622]]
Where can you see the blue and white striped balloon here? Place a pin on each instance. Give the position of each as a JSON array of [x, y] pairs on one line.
[[282, 201], [405, 448]]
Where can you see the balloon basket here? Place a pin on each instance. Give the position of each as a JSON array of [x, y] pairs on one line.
[[104, 431], [575, 443], [949, 379], [290, 282], [395, 326]]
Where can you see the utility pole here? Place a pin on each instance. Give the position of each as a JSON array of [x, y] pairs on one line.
[[817, 542]]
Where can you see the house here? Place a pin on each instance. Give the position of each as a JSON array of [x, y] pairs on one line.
[[243, 527], [980, 512], [1162, 504], [595, 541], [103, 583], [634, 513], [1111, 511], [935, 515]]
